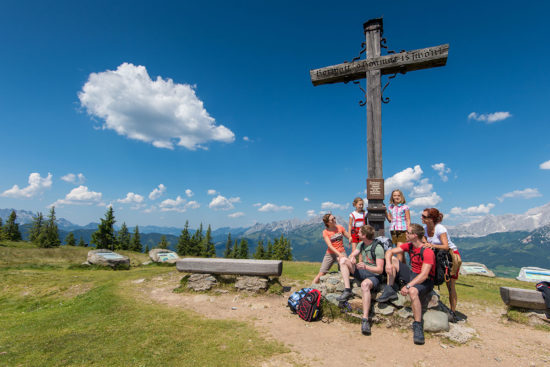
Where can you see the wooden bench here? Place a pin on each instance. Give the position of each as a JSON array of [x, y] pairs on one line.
[[524, 298], [230, 266]]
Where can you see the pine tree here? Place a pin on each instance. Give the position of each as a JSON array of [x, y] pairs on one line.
[[123, 238], [135, 243], [49, 235], [146, 251], [184, 242], [227, 252], [269, 252], [196, 243], [1, 230], [163, 243], [69, 240], [11, 229], [210, 249], [37, 226], [243, 249], [104, 237], [260, 252], [81, 242], [235, 250]]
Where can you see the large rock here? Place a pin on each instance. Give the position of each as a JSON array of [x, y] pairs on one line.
[[201, 282], [384, 309], [160, 255], [471, 268], [109, 258], [251, 284], [435, 321], [459, 333]]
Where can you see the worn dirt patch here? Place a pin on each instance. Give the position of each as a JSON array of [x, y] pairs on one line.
[[500, 343]]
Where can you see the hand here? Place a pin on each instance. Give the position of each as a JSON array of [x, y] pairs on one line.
[[389, 268], [361, 265], [404, 291], [353, 260]]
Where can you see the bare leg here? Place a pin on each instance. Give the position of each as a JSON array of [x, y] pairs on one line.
[[415, 304], [400, 256], [394, 270], [346, 268], [318, 278], [366, 286], [453, 298]]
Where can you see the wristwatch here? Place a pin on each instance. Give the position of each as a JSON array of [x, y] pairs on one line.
[[408, 286]]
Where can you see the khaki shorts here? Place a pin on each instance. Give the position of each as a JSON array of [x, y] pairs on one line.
[[398, 236], [328, 261]]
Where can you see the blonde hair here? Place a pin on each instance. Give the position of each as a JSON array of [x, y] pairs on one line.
[[356, 200], [418, 230], [403, 201], [367, 231]]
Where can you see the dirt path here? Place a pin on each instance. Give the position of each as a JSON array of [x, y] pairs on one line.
[[337, 343]]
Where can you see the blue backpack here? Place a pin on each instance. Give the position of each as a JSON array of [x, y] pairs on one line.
[[295, 298]]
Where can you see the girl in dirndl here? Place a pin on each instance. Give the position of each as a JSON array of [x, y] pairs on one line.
[[357, 219]]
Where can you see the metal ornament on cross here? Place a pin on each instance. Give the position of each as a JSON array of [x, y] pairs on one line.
[[372, 68]]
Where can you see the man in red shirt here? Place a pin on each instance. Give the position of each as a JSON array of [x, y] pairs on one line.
[[418, 278]]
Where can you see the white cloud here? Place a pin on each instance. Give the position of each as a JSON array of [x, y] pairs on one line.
[[236, 215], [131, 198], [192, 205], [257, 204], [246, 138], [307, 200], [80, 196], [74, 179], [524, 194], [442, 171], [403, 180], [545, 165], [269, 207], [171, 205], [329, 205], [311, 213], [473, 210], [489, 117], [37, 185], [157, 192], [150, 209], [426, 201], [212, 192], [222, 203], [159, 111], [423, 188], [189, 193]]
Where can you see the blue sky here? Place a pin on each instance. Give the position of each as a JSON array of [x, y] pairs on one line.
[[211, 105]]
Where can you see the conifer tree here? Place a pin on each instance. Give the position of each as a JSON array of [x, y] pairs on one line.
[[104, 237], [269, 252], [135, 243], [260, 252], [163, 242], [123, 238], [37, 226], [235, 250], [1, 230], [243, 249], [184, 241], [146, 251], [81, 242], [11, 229], [49, 236], [209, 248], [70, 240], [227, 252], [196, 243]]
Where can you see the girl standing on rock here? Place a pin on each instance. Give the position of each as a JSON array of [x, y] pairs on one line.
[[357, 219], [333, 235], [438, 238], [399, 215]]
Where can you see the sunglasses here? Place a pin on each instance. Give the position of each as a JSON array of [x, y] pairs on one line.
[[424, 216]]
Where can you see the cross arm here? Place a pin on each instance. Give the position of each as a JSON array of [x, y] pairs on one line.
[[388, 64]]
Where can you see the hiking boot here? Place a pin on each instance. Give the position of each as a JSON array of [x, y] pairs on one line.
[[452, 317], [418, 333], [365, 326], [346, 294], [389, 294]]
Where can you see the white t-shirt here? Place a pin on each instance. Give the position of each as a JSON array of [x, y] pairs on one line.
[[436, 239]]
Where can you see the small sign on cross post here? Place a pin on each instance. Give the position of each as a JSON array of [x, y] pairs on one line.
[[372, 68]]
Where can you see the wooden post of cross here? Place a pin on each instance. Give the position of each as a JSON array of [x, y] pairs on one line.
[[372, 68]]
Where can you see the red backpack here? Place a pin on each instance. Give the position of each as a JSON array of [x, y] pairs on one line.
[[309, 307]]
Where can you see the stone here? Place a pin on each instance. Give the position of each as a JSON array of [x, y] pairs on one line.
[[357, 292], [384, 309], [160, 255], [201, 282], [435, 321], [433, 300], [331, 297], [320, 287], [401, 300], [340, 287], [109, 258], [405, 313], [459, 333], [356, 304], [471, 268], [251, 283]]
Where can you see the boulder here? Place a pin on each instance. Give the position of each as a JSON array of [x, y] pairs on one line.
[[109, 258], [472, 268], [405, 313], [201, 282], [384, 309], [160, 255], [459, 333], [251, 283], [435, 321]]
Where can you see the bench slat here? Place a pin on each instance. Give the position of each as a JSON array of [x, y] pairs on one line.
[[523, 298], [230, 266]]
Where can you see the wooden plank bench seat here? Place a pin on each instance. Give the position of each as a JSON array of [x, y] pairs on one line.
[[230, 266], [524, 298]]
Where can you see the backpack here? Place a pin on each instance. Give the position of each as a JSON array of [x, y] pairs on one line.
[[385, 242], [309, 307], [295, 298], [443, 264]]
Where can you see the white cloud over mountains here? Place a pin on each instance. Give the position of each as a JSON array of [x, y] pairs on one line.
[[473, 210], [545, 165], [222, 203], [442, 171], [179, 205], [270, 207], [80, 195], [329, 205], [411, 182], [489, 117], [37, 185], [157, 192], [524, 194], [159, 111], [74, 179], [131, 198], [236, 215]]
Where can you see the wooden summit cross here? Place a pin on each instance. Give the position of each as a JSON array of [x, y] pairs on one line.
[[372, 68]]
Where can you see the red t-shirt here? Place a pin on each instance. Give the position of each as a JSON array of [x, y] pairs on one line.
[[336, 238], [416, 259]]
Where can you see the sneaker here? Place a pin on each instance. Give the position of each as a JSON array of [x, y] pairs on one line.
[[418, 333], [389, 294], [365, 326], [452, 317], [346, 294]]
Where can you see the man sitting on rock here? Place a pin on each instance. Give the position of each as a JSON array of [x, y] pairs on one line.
[[418, 278], [367, 272]]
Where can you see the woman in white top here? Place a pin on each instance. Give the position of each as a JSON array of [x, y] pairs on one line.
[[438, 238]]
